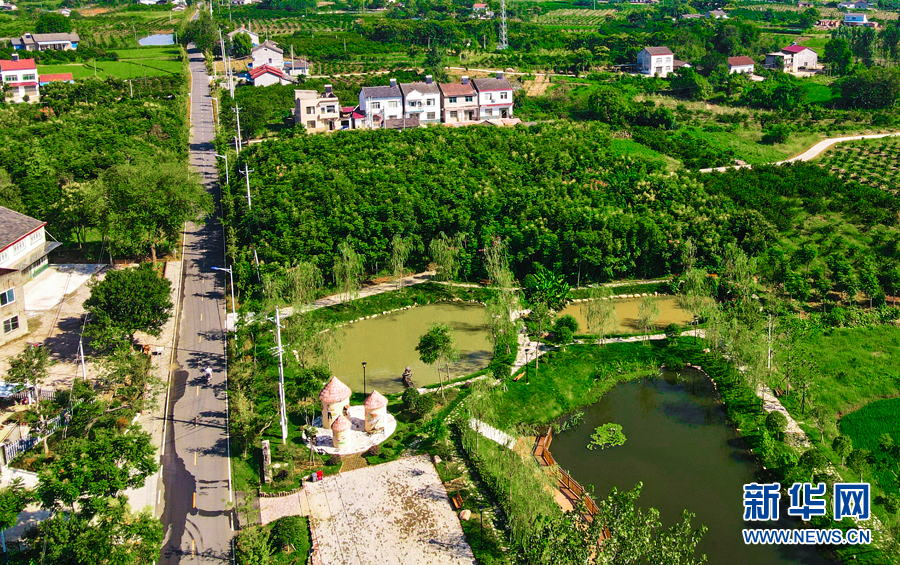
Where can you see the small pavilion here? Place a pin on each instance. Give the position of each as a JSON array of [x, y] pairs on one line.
[[345, 429]]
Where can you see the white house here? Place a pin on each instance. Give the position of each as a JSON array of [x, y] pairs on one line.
[[858, 20], [459, 102], [792, 59], [21, 77], [267, 53], [861, 5], [657, 61], [297, 67], [741, 64], [254, 37], [383, 102], [422, 99], [717, 14], [495, 97], [46, 41], [267, 76]]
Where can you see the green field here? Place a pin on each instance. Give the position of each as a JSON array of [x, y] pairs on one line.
[[132, 63], [867, 424]]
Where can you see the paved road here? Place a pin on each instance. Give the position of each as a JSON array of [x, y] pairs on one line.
[[196, 474]]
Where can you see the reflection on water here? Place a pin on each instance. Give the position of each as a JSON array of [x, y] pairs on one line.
[[157, 39], [687, 456], [627, 314], [388, 344]]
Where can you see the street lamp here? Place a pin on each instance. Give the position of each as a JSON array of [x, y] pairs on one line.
[[231, 277], [227, 181], [364, 377]]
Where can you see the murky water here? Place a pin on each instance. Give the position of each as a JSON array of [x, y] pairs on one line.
[[627, 314], [681, 447], [388, 344], [157, 39]]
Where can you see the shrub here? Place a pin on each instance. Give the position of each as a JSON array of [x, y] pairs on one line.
[[776, 423], [374, 450], [290, 530], [334, 460], [501, 370], [567, 321], [778, 133], [672, 332], [281, 475]]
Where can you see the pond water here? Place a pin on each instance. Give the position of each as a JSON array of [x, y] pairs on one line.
[[388, 345], [157, 39], [681, 447], [627, 314]]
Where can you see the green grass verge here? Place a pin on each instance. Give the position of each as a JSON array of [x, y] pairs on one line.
[[867, 424], [631, 148]]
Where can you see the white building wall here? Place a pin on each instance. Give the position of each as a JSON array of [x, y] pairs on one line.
[[10, 255]]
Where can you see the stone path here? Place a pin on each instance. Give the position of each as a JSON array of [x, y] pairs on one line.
[[492, 433]]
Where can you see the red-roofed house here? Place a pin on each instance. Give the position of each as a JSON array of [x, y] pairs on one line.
[[655, 61], [792, 58], [267, 76], [741, 64], [55, 77], [21, 77], [480, 10]]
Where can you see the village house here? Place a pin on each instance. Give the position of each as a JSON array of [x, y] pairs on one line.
[[55, 77], [858, 20], [495, 97], [267, 76], [803, 4], [45, 42], [655, 61], [316, 112], [267, 53], [296, 68], [459, 102], [481, 11], [741, 64], [384, 102], [792, 59], [254, 38], [422, 100], [861, 5], [352, 118], [717, 15], [691, 16], [20, 76]]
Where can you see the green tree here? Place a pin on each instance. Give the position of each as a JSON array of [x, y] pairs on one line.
[[843, 446], [436, 347], [548, 287], [253, 546], [247, 424], [400, 248], [607, 435], [201, 32], [90, 469], [241, 45], [837, 56], [127, 301], [348, 270], [148, 203], [878, 87], [27, 370], [13, 500], [860, 461], [504, 302], [51, 22], [687, 83], [600, 311], [648, 311], [445, 253], [694, 293], [811, 461], [127, 375], [776, 423]]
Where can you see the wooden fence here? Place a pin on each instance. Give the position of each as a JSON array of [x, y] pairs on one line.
[[566, 483]]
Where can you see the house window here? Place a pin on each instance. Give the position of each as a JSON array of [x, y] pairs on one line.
[[36, 236], [12, 78], [7, 297], [452, 100], [310, 110], [27, 77], [19, 247], [4, 255], [376, 105], [412, 104], [454, 114], [430, 115], [504, 96], [11, 324], [311, 124], [487, 111], [330, 110], [393, 104], [468, 98], [429, 102], [30, 89]]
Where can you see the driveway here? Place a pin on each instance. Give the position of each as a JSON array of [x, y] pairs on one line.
[[50, 287]]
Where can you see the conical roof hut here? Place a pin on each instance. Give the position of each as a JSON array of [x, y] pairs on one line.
[[340, 424], [374, 401], [334, 391]]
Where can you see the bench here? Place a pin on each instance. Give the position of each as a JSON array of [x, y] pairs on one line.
[[456, 501]]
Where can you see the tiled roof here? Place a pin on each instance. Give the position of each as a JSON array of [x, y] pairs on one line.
[[56, 77], [259, 71], [794, 48], [456, 89], [381, 92], [14, 226], [334, 391], [374, 401], [402, 123], [55, 37], [267, 45], [423, 87], [658, 50], [485, 84], [740, 61], [20, 65]]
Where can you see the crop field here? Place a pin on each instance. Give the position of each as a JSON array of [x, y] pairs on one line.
[[825, 13], [568, 18], [289, 26], [875, 162], [867, 424], [132, 63]]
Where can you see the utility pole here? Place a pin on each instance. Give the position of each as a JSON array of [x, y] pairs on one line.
[[504, 43], [247, 176], [280, 350], [237, 110]]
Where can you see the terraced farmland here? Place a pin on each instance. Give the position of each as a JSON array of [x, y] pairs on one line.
[[289, 26], [826, 13], [875, 162], [571, 17]]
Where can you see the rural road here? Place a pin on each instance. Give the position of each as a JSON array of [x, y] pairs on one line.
[[197, 514], [810, 153]]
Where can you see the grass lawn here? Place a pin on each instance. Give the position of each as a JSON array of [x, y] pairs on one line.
[[818, 93], [631, 148], [867, 424], [119, 69], [747, 147]]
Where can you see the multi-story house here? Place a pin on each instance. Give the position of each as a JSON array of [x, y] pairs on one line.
[[656, 61], [46, 41], [254, 37], [422, 100], [317, 112], [381, 102], [495, 97], [267, 53], [459, 102], [792, 58], [20, 76]]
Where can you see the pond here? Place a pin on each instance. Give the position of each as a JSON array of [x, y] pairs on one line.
[[157, 39], [627, 314], [679, 444], [388, 345]]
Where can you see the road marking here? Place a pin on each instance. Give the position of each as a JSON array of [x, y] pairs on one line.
[[195, 500], [199, 338], [195, 459], [201, 317], [193, 549], [197, 388], [158, 495]]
